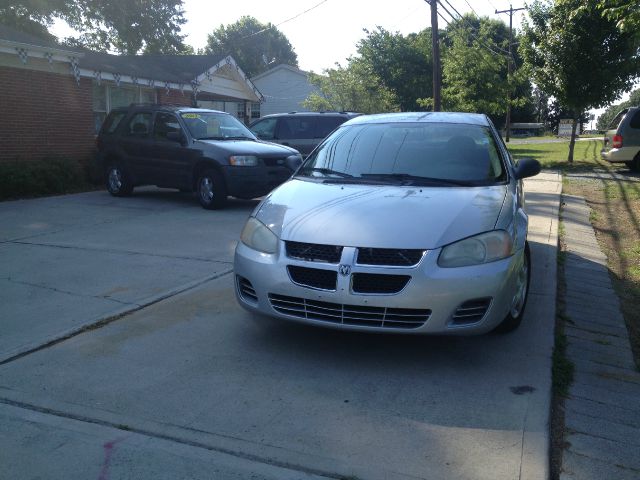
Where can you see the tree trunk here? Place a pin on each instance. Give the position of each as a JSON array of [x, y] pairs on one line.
[[572, 142]]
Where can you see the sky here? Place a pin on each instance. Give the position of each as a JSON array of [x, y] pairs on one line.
[[329, 30], [324, 31]]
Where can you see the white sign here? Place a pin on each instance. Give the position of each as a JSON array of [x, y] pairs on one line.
[[565, 126]]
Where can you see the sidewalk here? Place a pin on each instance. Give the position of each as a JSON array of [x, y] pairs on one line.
[[602, 412]]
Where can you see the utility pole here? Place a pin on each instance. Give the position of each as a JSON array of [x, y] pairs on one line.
[[435, 49], [509, 67]]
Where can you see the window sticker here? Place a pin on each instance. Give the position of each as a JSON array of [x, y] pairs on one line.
[[190, 115]]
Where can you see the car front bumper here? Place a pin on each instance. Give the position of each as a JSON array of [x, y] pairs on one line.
[[435, 300]]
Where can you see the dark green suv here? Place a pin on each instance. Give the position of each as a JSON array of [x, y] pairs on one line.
[[191, 149]]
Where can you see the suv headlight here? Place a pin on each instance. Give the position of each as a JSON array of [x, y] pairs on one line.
[[484, 248], [257, 235], [243, 160]]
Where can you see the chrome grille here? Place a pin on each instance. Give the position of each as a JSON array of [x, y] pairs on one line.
[[247, 292], [354, 315], [314, 252], [471, 311], [377, 283], [313, 277], [389, 256]]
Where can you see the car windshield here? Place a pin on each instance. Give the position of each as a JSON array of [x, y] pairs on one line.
[[215, 126], [409, 154]]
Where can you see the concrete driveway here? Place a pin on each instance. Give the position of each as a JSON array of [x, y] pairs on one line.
[[194, 387]]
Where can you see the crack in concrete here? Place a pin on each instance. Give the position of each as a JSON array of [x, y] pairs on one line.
[[173, 438], [107, 320], [74, 294], [121, 252]]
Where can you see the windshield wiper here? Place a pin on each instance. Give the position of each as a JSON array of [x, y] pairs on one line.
[[409, 179], [324, 171], [210, 138]]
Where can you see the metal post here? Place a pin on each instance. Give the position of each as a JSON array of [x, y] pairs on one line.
[[509, 69], [435, 47]]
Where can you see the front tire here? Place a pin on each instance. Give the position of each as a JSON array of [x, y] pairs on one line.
[[212, 193], [513, 319], [118, 181]]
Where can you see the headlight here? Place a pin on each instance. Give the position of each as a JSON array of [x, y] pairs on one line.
[[256, 235], [484, 248], [243, 160]]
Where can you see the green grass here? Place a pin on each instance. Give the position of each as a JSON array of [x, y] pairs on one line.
[[562, 368], [586, 155]]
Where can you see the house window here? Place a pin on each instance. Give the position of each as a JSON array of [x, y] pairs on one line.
[[255, 111], [99, 105], [240, 110], [107, 96]]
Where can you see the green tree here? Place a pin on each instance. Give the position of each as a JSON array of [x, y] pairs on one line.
[[609, 114], [578, 55], [352, 88], [255, 46], [403, 65], [152, 26], [626, 14], [475, 71]]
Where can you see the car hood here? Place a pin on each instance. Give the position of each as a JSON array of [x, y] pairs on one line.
[[248, 147], [379, 216]]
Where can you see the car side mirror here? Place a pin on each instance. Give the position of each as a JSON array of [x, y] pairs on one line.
[[176, 136], [527, 167]]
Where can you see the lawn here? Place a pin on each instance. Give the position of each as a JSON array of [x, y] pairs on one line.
[[615, 215], [586, 154]]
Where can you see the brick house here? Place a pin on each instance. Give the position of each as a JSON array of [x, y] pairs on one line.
[[53, 99]]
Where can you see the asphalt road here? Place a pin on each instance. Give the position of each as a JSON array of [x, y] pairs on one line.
[[188, 385]]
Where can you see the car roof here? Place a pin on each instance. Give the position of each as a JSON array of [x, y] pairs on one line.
[[172, 108], [422, 117], [303, 114]]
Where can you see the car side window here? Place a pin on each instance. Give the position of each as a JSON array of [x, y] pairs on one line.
[[616, 121], [326, 125], [164, 124], [139, 125], [294, 128], [635, 121], [265, 129], [112, 121]]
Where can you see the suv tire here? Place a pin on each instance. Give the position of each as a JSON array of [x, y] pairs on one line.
[[212, 193], [634, 165], [514, 317], [118, 181]]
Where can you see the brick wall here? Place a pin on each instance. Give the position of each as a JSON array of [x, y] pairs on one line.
[[44, 114], [175, 97]]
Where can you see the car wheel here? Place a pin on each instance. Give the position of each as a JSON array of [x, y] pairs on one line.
[[118, 182], [212, 193], [634, 165], [519, 302]]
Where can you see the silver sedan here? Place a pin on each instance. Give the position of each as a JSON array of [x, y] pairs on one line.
[[406, 223]]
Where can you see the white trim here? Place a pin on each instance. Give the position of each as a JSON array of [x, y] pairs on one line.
[[239, 74], [59, 55]]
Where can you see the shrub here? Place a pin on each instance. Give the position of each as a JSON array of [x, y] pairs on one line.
[[51, 175]]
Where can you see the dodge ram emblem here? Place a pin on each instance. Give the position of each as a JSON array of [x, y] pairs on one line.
[[344, 270]]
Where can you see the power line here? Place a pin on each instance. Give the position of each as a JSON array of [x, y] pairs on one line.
[[287, 20], [472, 9], [471, 32]]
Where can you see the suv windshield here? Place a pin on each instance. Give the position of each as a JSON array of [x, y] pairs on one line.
[[408, 153], [215, 126]]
